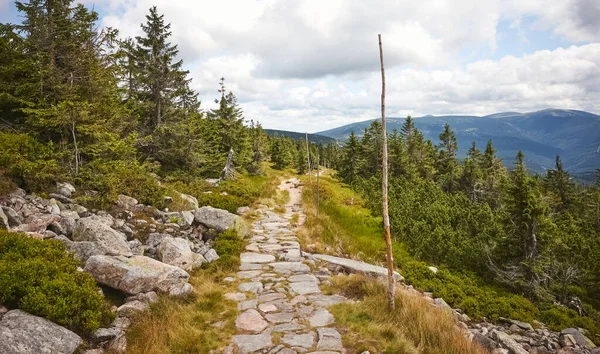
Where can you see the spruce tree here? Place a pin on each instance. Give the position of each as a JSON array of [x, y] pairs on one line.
[[162, 83], [446, 160], [350, 165], [470, 180], [559, 182], [231, 131]]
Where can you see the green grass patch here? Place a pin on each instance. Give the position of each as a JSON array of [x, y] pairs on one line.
[[413, 327]]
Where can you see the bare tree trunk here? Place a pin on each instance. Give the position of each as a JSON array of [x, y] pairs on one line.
[[228, 171], [308, 160], [384, 190], [76, 148], [318, 185]]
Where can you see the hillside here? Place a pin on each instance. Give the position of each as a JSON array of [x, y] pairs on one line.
[[541, 135], [313, 138]]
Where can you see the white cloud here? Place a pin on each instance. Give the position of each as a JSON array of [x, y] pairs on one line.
[[313, 64], [575, 20]]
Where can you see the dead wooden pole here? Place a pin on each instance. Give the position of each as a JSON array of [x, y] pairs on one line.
[[308, 160], [384, 190], [318, 174]]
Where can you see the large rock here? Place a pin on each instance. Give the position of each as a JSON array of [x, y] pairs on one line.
[[39, 223], [580, 339], [138, 274], [3, 220], [353, 266], [126, 202], [94, 229], [65, 189], [507, 342], [85, 249], [177, 252], [190, 200], [21, 333], [12, 217], [220, 220]]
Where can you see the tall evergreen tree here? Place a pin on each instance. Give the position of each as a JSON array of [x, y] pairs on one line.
[[230, 127], [447, 166], [470, 180], [162, 82], [559, 182], [351, 160]]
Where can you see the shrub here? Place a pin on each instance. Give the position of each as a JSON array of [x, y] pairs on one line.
[[111, 178], [28, 162], [41, 278], [228, 246]]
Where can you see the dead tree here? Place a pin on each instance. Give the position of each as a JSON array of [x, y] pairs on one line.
[[308, 160], [228, 171], [384, 190]]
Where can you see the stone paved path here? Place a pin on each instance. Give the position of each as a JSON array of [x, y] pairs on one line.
[[282, 309]]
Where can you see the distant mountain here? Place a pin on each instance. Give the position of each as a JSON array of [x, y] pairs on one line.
[[313, 138], [541, 135]]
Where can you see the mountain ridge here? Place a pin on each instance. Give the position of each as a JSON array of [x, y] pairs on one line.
[[574, 135]]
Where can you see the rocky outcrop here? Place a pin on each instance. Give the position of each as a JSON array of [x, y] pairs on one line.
[[21, 333], [136, 274], [220, 220], [94, 229]]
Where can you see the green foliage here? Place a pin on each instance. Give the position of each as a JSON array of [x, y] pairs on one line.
[[228, 246], [451, 231], [42, 279], [111, 178], [28, 162]]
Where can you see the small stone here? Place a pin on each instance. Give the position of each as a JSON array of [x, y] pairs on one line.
[[299, 340], [251, 320], [211, 255], [251, 257], [305, 287], [132, 308], [287, 327], [248, 343], [282, 317], [235, 296], [329, 339], [290, 267], [247, 304], [248, 274], [266, 308], [303, 278], [253, 287], [271, 297], [321, 318]]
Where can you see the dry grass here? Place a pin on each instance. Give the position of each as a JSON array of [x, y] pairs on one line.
[[415, 327], [187, 326]]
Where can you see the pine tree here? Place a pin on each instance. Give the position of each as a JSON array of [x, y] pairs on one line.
[[230, 122], [559, 182], [528, 225], [350, 165], [260, 147], [162, 82], [470, 180], [494, 174], [446, 164]]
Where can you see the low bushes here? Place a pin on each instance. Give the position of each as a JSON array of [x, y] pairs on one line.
[[41, 278]]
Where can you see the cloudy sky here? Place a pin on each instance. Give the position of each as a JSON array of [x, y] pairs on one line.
[[310, 65]]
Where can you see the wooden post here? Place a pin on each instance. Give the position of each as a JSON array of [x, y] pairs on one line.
[[308, 160], [384, 190], [318, 184]]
